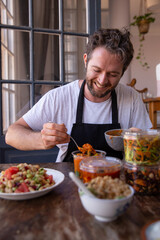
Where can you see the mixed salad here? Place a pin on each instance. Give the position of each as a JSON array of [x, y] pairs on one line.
[[24, 178], [87, 149], [142, 149]]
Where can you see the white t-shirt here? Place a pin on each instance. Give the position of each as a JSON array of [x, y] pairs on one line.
[[59, 106]]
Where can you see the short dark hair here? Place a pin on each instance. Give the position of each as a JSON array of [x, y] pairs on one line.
[[115, 41]]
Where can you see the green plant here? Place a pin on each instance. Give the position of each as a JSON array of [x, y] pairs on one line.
[[142, 21], [147, 17], [140, 55]]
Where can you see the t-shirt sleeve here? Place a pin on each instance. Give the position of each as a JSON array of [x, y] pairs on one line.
[[39, 113], [131, 108], [140, 116]]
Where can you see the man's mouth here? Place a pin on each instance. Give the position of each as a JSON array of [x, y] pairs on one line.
[[99, 85]]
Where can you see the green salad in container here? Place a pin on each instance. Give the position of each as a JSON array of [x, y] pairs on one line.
[[142, 147]]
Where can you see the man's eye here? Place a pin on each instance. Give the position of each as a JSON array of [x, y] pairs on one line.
[[113, 75], [96, 70]]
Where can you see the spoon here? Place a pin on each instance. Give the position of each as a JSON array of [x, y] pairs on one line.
[[74, 142], [79, 183]]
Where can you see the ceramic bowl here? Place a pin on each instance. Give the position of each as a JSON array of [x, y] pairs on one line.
[[105, 210], [114, 138], [151, 230]]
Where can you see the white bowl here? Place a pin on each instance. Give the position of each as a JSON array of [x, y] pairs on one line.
[[105, 210], [115, 142]]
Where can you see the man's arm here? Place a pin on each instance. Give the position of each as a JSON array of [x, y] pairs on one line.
[[22, 137]]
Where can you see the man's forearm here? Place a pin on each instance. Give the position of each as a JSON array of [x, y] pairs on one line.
[[23, 138]]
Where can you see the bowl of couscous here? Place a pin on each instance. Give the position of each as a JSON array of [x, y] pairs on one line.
[[112, 198]]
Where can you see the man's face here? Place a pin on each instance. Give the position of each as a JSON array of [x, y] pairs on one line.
[[104, 71]]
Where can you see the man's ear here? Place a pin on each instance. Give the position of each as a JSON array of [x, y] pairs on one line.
[[85, 59]]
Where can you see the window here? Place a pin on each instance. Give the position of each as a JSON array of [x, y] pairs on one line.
[[42, 46], [41, 49]]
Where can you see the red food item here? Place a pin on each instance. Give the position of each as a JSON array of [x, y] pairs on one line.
[[87, 176], [115, 132], [10, 171], [87, 149], [94, 167], [50, 177], [22, 188]]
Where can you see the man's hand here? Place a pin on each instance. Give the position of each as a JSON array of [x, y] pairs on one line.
[[53, 134], [134, 129]]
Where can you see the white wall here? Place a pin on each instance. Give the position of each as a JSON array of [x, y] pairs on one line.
[[146, 78], [120, 19]]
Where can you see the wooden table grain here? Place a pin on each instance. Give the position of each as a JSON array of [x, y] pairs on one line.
[[59, 215]]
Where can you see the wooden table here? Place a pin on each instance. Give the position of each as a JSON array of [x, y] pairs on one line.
[[59, 215], [154, 106]]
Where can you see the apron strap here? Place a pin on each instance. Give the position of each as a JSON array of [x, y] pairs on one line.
[[80, 104], [81, 101], [114, 107]]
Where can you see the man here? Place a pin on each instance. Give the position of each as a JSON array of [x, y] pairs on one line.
[[85, 109]]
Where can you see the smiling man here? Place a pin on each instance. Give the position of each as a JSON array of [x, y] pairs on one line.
[[104, 71], [85, 109]]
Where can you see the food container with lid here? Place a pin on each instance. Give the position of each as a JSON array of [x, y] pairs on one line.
[[100, 166], [142, 148], [78, 156], [145, 179]]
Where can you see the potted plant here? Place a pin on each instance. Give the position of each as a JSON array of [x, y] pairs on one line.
[[142, 22]]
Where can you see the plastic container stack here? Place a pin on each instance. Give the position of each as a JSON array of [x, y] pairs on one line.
[[142, 161], [100, 166]]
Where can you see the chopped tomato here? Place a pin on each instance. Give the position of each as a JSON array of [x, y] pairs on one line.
[[22, 188], [50, 177], [10, 171]]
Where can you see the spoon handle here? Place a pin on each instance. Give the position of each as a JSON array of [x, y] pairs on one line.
[[74, 141], [79, 183]]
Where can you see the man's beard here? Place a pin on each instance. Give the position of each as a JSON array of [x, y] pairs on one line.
[[93, 92]]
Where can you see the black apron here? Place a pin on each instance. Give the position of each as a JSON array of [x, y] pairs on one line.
[[92, 133]]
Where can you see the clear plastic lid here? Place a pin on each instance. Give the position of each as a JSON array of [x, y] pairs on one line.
[[97, 164], [147, 133]]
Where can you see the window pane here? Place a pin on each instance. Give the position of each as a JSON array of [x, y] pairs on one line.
[[46, 14], [15, 55], [40, 90], [46, 57], [74, 50], [104, 13], [14, 12], [75, 16], [15, 102]]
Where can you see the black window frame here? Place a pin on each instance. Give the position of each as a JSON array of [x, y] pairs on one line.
[[94, 22]]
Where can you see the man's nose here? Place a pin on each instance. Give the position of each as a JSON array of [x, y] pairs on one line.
[[102, 78]]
